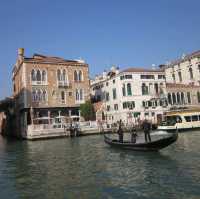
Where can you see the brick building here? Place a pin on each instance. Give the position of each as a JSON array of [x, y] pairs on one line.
[[50, 86]]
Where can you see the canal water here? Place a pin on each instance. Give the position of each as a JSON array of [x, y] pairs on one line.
[[84, 168]]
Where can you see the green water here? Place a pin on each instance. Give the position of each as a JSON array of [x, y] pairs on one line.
[[84, 168]]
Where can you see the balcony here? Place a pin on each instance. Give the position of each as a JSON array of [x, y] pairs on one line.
[[64, 84], [35, 83]]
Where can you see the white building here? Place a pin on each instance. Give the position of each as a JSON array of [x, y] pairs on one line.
[[131, 95], [183, 80], [185, 70]]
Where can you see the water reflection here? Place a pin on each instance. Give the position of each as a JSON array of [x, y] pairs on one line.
[[87, 168]]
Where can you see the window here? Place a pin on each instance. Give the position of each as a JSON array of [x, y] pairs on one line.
[[174, 98], [180, 76], [198, 97], [116, 107], [113, 81], [58, 75], [106, 83], [79, 95], [44, 96], [75, 76], [178, 98], [44, 76], [114, 93], [191, 73], [128, 76], [130, 105], [108, 108], [107, 97], [182, 98], [38, 75], [173, 77], [147, 77], [187, 118], [39, 95], [188, 98], [121, 77], [194, 118], [80, 76], [124, 90], [144, 89], [62, 96], [161, 76], [156, 88], [169, 98], [129, 92], [33, 75], [64, 75], [124, 105]]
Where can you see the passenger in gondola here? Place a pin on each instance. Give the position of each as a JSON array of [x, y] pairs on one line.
[[146, 126], [133, 134], [120, 131]]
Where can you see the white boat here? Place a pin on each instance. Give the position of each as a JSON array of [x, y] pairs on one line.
[[181, 120]]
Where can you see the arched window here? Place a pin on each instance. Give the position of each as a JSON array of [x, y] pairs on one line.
[[191, 73], [58, 75], [34, 98], [129, 91], [62, 96], [38, 76], [188, 98], [39, 95], [174, 98], [33, 75], [198, 97], [44, 76], [64, 75], [44, 96], [169, 98], [182, 98], [75, 76], [144, 89], [80, 76], [77, 95], [178, 98], [180, 76], [81, 94], [156, 88]]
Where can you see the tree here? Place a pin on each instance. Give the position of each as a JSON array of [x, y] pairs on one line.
[[87, 111]]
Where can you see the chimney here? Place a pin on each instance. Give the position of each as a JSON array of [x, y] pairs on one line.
[[20, 54]]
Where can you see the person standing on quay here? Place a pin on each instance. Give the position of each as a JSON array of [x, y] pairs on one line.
[[147, 127]]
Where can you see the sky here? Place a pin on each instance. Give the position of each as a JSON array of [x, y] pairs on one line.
[[125, 33]]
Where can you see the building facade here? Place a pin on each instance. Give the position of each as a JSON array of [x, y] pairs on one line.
[[131, 95], [185, 70], [48, 86]]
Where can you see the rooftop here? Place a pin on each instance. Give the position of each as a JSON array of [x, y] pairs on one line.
[[138, 69], [49, 59]]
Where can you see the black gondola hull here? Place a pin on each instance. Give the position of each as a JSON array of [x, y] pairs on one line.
[[147, 146]]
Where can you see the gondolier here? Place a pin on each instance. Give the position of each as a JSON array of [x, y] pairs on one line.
[[146, 126], [120, 131]]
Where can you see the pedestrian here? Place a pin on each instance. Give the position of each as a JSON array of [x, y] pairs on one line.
[[146, 126]]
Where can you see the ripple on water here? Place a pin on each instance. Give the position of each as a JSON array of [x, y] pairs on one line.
[[85, 167]]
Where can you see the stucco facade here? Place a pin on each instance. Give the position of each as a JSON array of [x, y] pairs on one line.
[[48, 85]]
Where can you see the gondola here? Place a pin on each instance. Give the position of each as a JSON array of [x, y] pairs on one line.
[[144, 146]]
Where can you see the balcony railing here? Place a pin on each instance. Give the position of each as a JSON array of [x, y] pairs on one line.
[[64, 84], [39, 83]]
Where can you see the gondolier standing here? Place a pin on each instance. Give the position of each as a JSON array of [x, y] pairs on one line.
[[120, 131], [147, 127]]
